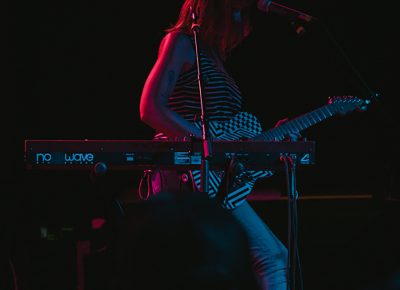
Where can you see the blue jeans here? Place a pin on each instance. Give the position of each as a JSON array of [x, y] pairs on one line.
[[268, 253]]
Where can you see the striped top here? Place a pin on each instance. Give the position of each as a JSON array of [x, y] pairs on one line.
[[222, 97], [223, 104]]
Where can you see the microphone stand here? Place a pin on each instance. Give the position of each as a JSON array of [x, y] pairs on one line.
[[207, 151]]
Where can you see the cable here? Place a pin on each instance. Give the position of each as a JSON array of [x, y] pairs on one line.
[[293, 229], [288, 274], [146, 176]]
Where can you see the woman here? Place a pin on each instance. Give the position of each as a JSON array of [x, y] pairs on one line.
[[170, 104]]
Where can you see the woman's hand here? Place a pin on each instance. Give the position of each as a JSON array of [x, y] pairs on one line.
[[291, 136]]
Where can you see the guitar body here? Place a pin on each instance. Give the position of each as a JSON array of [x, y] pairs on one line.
[[237, 183], [242, 126]]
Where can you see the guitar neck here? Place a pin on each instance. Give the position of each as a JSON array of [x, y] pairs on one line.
[[298, 124]]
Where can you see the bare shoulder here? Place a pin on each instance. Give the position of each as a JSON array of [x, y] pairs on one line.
[[176, 39], [178, 44]]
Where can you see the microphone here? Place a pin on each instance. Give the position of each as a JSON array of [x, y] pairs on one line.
[[273, 7]]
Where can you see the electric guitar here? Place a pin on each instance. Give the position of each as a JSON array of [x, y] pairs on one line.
[[246, 126]]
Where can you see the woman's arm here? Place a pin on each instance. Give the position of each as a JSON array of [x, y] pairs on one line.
[[175, 54]]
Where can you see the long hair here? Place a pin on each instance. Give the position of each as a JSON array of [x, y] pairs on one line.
[[218, 29]]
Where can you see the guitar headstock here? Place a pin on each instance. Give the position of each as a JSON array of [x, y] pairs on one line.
[[346, 104]]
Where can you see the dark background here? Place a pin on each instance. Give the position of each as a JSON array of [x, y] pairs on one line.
[[76, 71], [78, 68]]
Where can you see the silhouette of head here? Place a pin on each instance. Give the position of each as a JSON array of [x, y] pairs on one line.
[[182, 242]]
